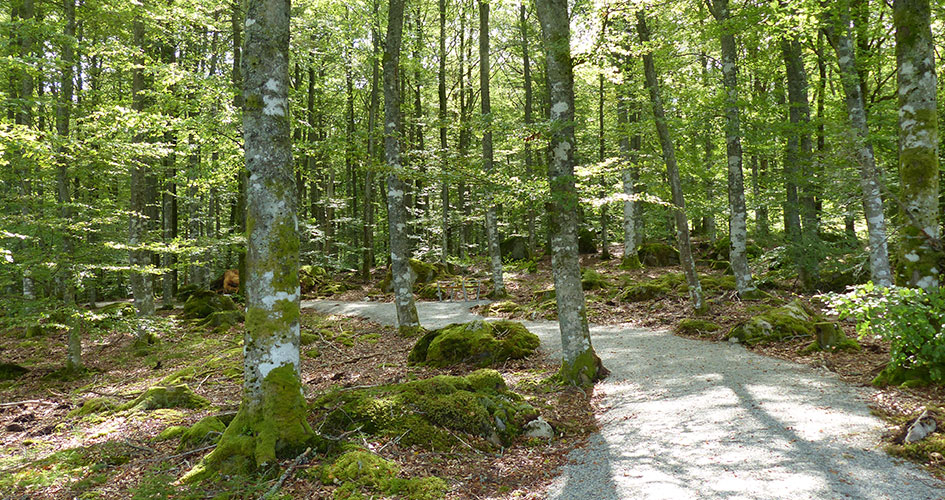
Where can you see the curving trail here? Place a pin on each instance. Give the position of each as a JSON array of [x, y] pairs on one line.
[[686, 419]]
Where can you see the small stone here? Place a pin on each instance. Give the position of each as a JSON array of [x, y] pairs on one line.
[[920, 428], [539, 428]]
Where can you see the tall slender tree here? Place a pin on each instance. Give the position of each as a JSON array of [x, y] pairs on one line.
[[738, 214], [492, 224], [918, 145], [407, 320], [580, 364], [271, 422], [672, 170]]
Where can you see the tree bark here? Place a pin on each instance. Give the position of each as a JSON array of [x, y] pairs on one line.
[[24, 117], [869, 172], [367, 255], [407, 319], [629, 147], [529, 119], [271, 422], [918, 145], [141, 282], [580, 364], [444, 153], [672, 171], [604, 216], [492, 224], [738, 216]]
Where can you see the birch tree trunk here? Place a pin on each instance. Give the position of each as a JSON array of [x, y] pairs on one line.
[[141, 282], [271, 422], [738, 216], [407, 320], [580, 364], [918, 144], [672, 171], [492, 225], [630, 173], [839, 37]]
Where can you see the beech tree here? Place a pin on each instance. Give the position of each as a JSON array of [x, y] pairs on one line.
[[580, 364], [271, 422]]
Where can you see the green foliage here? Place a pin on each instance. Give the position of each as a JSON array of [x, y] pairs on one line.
[[359, 470], [911, 319]]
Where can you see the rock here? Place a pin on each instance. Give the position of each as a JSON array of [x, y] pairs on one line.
[[175, 396], [478, 343], [539, 428], [203, 303], [790, 320], [223, 319], [421, 273], [184, 292], [515, 248], [920, 428], [693, 326], [587, 242], [657, 254], [592, 280], [11, 371]]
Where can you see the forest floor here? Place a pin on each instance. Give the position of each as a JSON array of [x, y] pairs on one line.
[[48, 449]]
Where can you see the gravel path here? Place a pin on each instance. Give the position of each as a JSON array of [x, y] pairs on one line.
[[686, 419]]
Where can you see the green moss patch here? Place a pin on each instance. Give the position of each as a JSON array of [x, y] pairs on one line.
[[788, 321], [658, 254], [362, 471], [203, 303], [478, 343], [592, 280], [93, 406], [206, 430], [504, 307], [428, 412], [693, 326], [76, 467], [11, 371], [172, 396]]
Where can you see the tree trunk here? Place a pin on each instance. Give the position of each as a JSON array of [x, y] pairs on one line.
[[141, 282], [444, 153], [629, 173], [236, 21], [738, 216], [580, 364], [63, 117], [529, 119], [797, 170], [407, 320], [492, 225], [863, 149], [271, 422], [24, 117], [367, 255], [672, 171], [463, 146], [604, 217], [918, 145]]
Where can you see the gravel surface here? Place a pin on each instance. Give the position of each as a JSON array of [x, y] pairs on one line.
[[704, 420]]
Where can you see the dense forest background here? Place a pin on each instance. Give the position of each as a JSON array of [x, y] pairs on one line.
[[121, 136]]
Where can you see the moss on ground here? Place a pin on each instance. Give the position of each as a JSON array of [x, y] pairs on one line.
[[80, 468], [593, 280], [657, 254], [203, 303], [479, 343], [11, 371], [691, 326], [360, 471], [93, 406], [206, 430], [173, 396], [428, 412]]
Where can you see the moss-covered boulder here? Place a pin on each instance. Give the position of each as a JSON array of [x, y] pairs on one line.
[[360, 471], [428, 412], [93, 406], [184, 292], [657, 254], [172, 396], [653, 288], [790, 320], [204, 431], [203, 303], [515, 248], [587, 241], [895, 375], [592, 280], [479, 343], [694, 326], [11, 371], [223, 319], [828, 336], [421, 273], [504, 307]]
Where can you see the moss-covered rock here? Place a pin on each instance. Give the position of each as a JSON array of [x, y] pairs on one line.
[[592, 280], [657, 254], [790, 320], [505, 306], [359, 470], [203, 303], [172, 396], [828, 336], [428, 412], [184, 292], [692, 326], [206, 430], [172, 432], [478, 343], [903, 377], [663, 286], [223, 319], [421, 273], [515, 248], [11, 371], [93, 406], [587, 241]]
